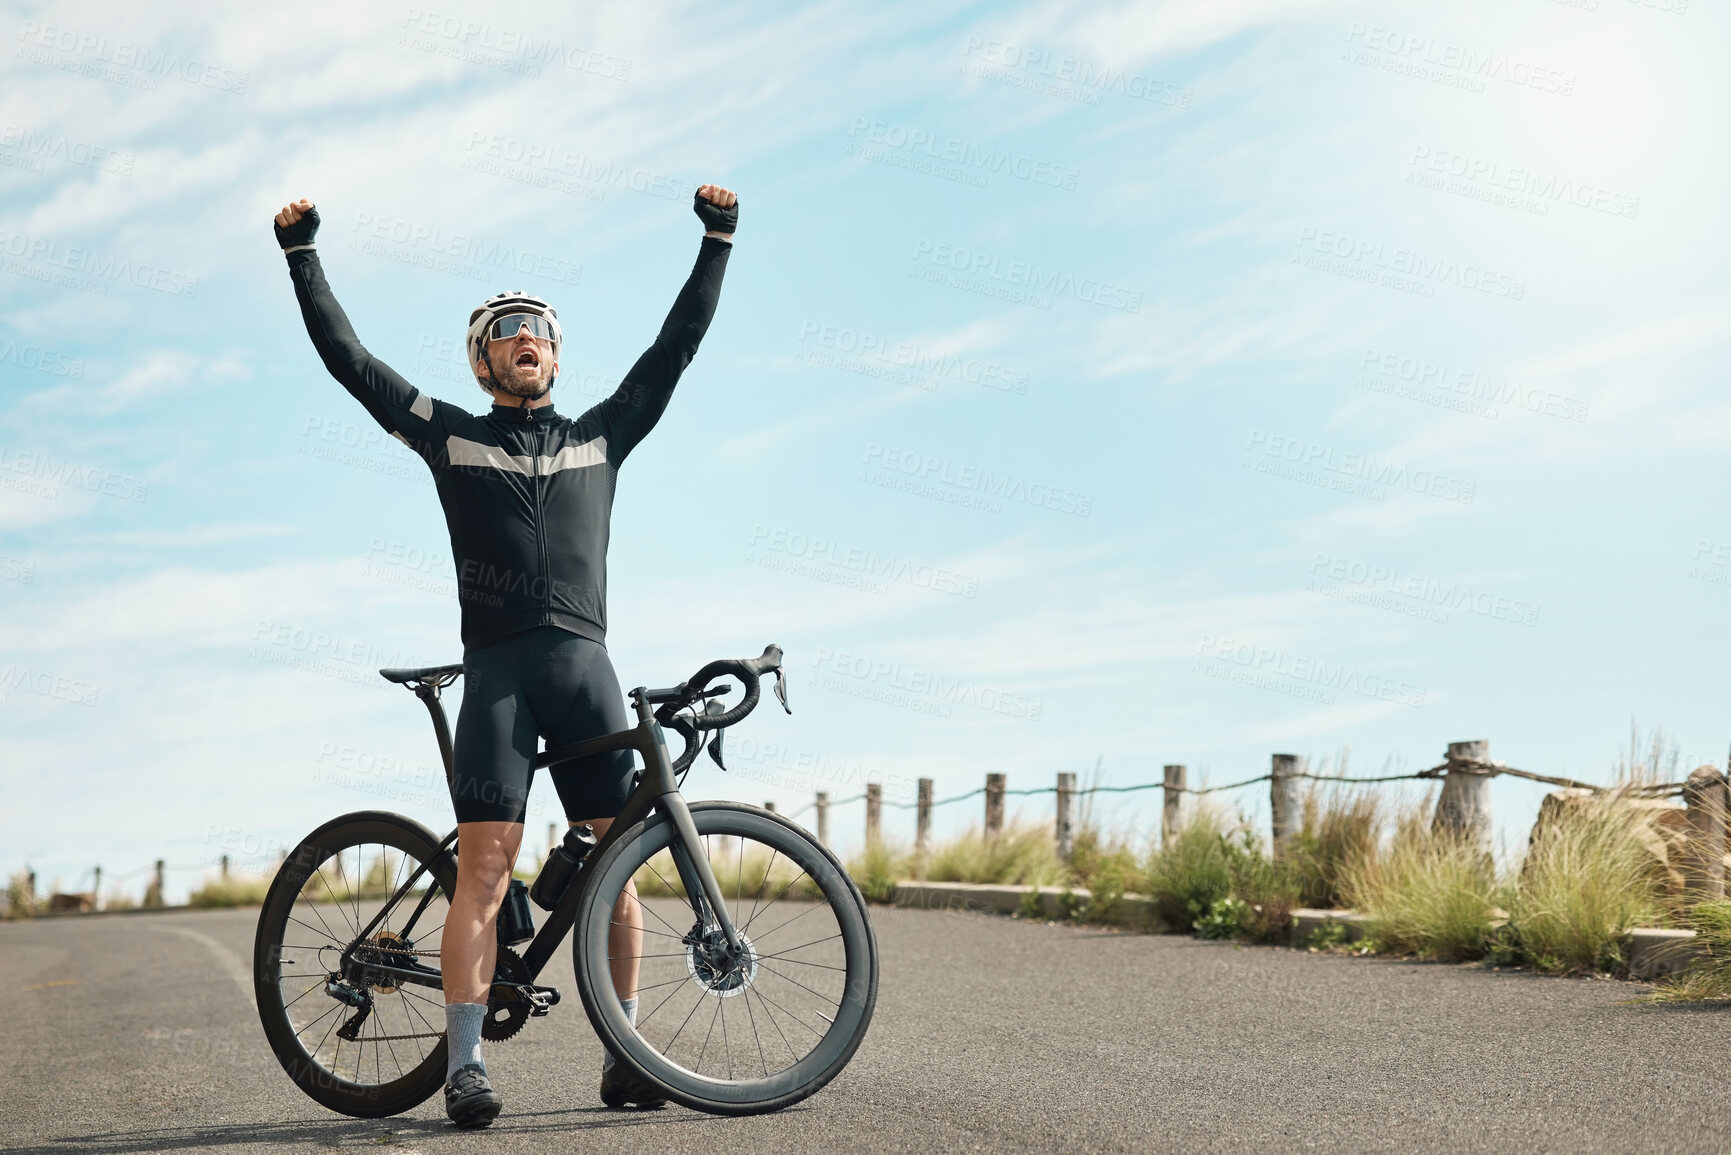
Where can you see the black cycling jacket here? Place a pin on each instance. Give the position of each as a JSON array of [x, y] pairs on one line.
[[527, 493]]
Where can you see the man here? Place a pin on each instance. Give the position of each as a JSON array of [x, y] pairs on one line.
[[527, 494]]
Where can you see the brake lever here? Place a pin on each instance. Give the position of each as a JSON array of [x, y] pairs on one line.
[[715, 707], [781, 690]]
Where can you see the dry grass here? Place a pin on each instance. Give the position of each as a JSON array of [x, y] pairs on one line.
[[744, 870], [232, 891], [1587, 881], [1428, 894], [1341, 829], [1710, 978], [20, 896], [1023, 854]]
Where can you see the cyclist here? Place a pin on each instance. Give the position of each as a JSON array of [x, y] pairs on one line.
[[527, 494]]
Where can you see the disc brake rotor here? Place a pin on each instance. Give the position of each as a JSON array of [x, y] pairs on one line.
[[714, 968]]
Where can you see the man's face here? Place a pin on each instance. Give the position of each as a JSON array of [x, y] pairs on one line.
[[522, 366]]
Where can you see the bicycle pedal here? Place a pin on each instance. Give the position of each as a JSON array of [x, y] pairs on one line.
[[540, 999]]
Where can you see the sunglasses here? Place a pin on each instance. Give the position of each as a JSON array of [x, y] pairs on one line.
[[507, 328]]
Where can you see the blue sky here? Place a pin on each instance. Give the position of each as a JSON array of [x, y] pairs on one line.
[[1141, 383]]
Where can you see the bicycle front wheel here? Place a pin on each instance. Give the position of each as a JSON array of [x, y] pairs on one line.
[[731, 1034]]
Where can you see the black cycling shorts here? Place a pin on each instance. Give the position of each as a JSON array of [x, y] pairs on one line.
[[541, 683]]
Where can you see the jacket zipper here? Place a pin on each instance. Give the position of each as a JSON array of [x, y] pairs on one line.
[[537, 444]]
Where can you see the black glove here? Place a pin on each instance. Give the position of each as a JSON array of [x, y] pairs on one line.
[[715, 218], [299, 233]]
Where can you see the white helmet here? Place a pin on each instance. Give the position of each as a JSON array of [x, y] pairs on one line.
[[503, 304]]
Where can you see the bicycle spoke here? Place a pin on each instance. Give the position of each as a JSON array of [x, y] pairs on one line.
[[800, 985], [801, 946], [778, 898], [645, 1019], [726, 1047], [771, 1002], [780, 926], [757, 894], [698, 1067], [770, 1015], [799, 962], [682, 1026], [752, 1019]]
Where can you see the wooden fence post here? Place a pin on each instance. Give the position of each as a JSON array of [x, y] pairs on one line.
[[1705, 796], [154, 897], [1464, 806], [1174, 792], [1285, 803], [874, 812], [225, 866], [1065, 833], [923, 819], [994, 805], [823, 816], [96, 890], [769, 806]]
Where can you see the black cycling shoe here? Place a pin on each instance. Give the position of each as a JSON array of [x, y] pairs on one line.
[[470, 1100], [621, 1088]]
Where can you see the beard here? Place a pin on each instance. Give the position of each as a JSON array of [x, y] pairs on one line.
[[516, 384]]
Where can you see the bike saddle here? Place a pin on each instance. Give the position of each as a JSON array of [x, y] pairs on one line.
[[442, 674]]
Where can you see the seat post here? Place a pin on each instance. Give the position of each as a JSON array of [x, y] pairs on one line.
[[428, 693]]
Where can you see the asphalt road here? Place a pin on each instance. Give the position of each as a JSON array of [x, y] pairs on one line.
[[136, 1033]]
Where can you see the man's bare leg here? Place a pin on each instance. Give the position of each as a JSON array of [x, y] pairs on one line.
[[486, 852], [625, 935]]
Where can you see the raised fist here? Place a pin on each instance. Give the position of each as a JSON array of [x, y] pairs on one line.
[[717, 208], [297, 224]]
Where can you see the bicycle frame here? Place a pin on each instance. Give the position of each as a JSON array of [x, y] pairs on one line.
[[657, 791]]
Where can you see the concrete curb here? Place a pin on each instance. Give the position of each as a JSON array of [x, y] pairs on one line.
[[1036, 901], [1653, 952], [1307, 921]]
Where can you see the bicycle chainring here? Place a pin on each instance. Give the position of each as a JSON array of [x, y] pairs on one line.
[[506, 1019]]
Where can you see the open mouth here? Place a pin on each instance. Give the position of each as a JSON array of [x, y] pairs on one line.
[[528, 359]]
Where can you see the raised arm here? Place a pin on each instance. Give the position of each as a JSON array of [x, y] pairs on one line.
[[642, 396], [396, 405]]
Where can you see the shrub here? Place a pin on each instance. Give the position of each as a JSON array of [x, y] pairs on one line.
[[1022, 854], [1430, 893], [227, 892], [1587, 881], [876, 869], [1267, 891], [1339, 831], [1191, 870], [20, 896], [1708, 978], [1219, 882]]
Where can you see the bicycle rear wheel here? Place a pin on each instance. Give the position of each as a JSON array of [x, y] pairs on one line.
[[731, 1035], [359, 1043]]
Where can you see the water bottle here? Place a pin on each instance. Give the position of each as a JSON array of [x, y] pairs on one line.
[[515, 921], [561, 867]]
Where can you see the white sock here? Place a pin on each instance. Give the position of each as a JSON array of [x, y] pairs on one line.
[[630, 1008], [463, 1036]]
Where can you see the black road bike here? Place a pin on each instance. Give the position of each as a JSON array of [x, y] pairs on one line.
[[758, 965]]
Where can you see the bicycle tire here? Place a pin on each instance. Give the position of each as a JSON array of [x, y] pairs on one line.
[[682, 1084], [323, 1080]]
